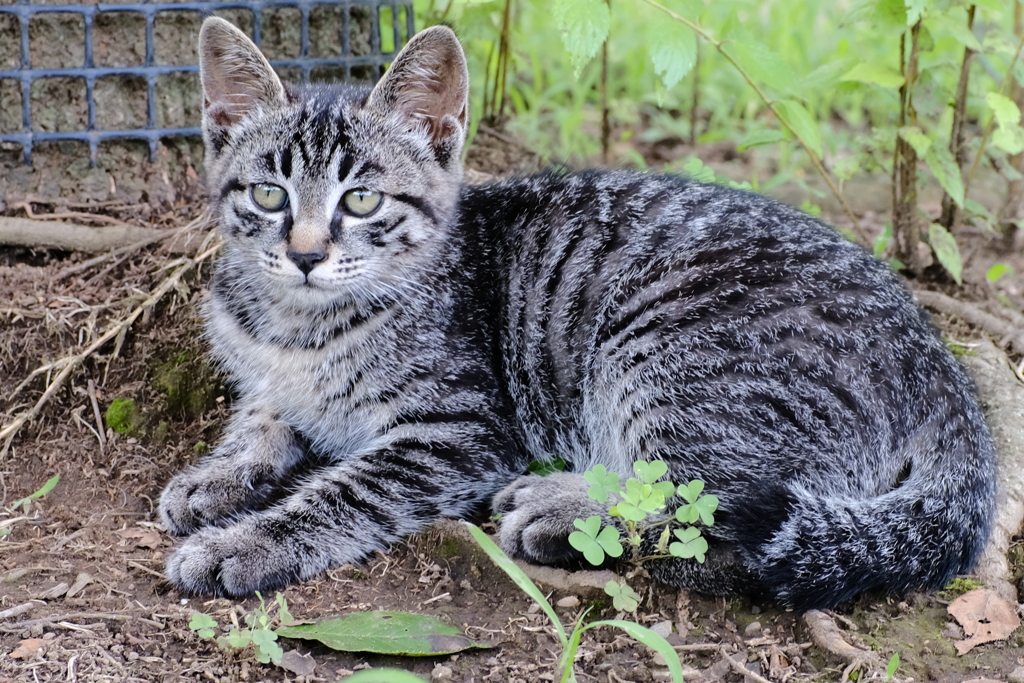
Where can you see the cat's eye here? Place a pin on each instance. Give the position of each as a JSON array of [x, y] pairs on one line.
[[269, 197], [361, 202]]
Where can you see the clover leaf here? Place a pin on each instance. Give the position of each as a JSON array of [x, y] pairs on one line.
[[698, 506], [604, 482], [203, 625], [650, 472], [623, 597], [640, 500], [593, 541], [691, 544]]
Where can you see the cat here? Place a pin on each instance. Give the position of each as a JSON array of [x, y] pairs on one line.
[[402, 346]]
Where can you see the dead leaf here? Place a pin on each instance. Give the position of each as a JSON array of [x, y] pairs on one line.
[[144, 538], [982, 680], [83, 580], [298, 664], [985, 617], [27, 648], [54, 592]]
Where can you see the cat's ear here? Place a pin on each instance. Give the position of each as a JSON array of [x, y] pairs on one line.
[[428, 83], [237, 78]]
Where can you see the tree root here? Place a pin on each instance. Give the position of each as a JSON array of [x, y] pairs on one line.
[[828, 637], [116, 331], [1004, 332]]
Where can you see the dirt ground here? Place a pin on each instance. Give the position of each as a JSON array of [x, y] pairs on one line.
[[88, 558]]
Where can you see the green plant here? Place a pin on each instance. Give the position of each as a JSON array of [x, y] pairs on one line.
[[258, 631], [125, 417], [570, 641], [890, 669], [26, 502], [384, 675]]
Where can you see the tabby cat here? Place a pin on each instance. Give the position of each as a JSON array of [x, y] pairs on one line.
[[403, 345]]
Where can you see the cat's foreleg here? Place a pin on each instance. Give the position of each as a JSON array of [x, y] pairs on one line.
[[254, 453], [363, 503]]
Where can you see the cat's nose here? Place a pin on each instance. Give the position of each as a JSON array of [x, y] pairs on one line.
[[306, 260]]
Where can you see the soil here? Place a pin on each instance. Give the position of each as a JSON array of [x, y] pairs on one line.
[[88, 557]]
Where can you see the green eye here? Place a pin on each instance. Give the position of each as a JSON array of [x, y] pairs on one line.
[[361, 202], [269, 197]]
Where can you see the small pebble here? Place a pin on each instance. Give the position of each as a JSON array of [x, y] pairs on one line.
[[753, 630], [1017, 675], [754, 609], [441, 673], [568, 601], [663, 628], [659, 660]]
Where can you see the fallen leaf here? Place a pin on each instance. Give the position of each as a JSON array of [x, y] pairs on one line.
[[83, 580], [982, 680], [27, 648], [298, 664], [54, 592], [144, 538], [985, 617]]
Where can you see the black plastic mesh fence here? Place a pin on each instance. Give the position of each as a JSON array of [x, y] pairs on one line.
[[354, 39]]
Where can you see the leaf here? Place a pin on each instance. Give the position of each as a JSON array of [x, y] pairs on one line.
[[945, 169], [690, 491], [238, 638], [392, 633], [603, 482], [43, 490], [890, 670], [915, 8], [691, 544], [384, 675], [518, 577], [765, 136], [267, 649], [588, 540], [696, 169], [203, 625], [997, 271], [609, 541], [985, 617], [872, 72], [956, 28], [793, 114], [623, 596], [882, 241], [652, 640], [673, 51], [650, 472], [298, 664], [584, 25], [946, 250], [763, 65], [825, 76], [283, 615], [1009, 136], [916, 138], [28, 647]]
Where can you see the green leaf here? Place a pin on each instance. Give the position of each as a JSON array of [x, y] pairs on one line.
[[623, 596], [543, 468], [203, 625], [603, 482], [593, 541], [584, 25], [384, 675], [945, 169], [43, 490], [1009, 136], [691, 544], [696, 169], [650, 472], [810, 208], [283, 615], [997, 271], [391, 633], [765, 136], [946, 250], [239, 638], [793, 114], [882, 241], [916, 138], [872, 72], [673, 51], [763, 65], [652, 640], [690, 491], [609, 541], [640, 500], [943, 24], [518, 577], [825, 76], [894, 663], [915, 8]]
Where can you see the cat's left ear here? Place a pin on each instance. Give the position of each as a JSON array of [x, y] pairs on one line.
[[428, 84]]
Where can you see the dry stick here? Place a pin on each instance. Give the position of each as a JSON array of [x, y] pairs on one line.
[[606, 127], [99, 218], [720, 46], [1006, 332], [991, 122], [100, 432], [20, 609], [827, 636], [8, 433], [950, 211], [904, 164], [740, 669]]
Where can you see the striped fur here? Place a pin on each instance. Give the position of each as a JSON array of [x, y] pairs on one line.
[[604, 317]]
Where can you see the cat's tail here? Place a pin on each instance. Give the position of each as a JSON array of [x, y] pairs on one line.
[[813, 550]]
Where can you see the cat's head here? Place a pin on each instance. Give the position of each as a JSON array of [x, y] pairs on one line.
[[334, 191]]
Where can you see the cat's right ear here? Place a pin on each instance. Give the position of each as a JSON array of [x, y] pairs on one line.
[[428, 85], [237, 78]]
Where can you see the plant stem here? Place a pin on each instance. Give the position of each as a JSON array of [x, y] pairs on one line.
[[720, 46], [606, 128], [904, 163], [950, 211], [696, 98], [1007, 79]]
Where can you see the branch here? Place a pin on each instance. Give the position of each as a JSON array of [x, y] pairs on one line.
[[28, 232], [719, 45], [998, 328]]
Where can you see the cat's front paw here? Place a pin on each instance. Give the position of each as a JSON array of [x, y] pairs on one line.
[[239, 560], [205, 496], [537, 515]]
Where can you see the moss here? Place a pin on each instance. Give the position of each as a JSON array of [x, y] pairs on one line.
[[162, 431], [200, 448], [125, 417], [958, 586], [188, 384]]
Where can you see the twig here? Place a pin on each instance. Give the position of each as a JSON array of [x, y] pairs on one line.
[[118, 330], [20, 609], [25, 232], [100, 432], [720, 46], [740, 669], [97, 217], [63, 618], [828, 637], [697, 647], [1002, 330], [950, 211], [133, 563]]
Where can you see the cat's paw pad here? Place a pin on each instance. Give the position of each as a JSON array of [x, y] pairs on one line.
[[202, 497], [537, 515], [236, 561]]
